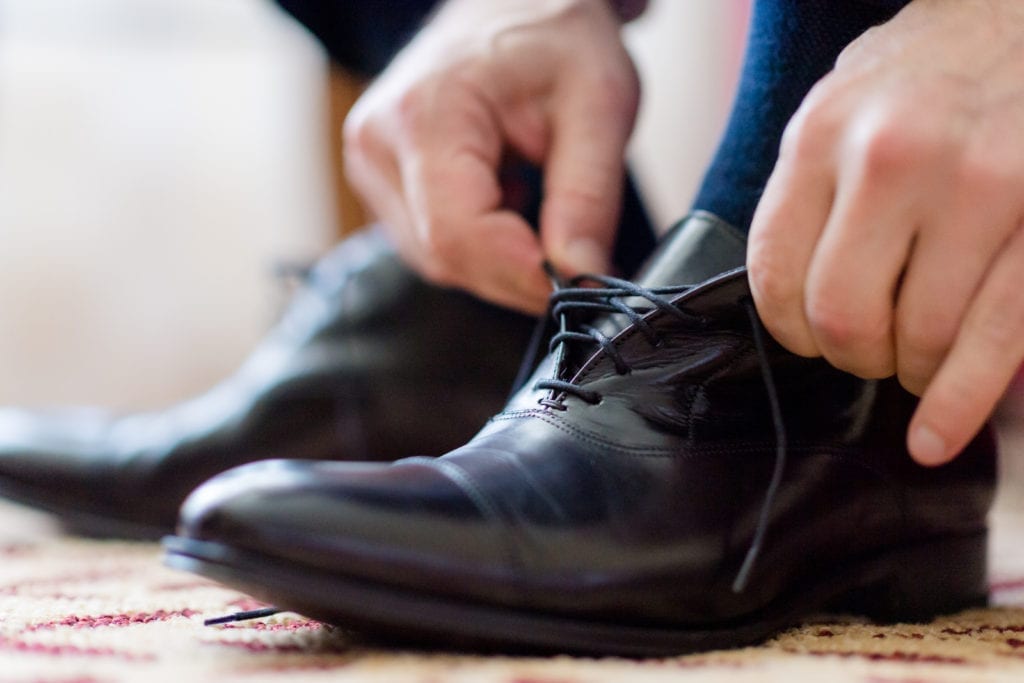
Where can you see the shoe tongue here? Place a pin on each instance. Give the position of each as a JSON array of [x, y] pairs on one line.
[[695, 249]]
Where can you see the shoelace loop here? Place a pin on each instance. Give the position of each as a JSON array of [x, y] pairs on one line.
[[607, 297]]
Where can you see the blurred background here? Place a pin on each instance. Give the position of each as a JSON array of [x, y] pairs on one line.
[[159, 157]]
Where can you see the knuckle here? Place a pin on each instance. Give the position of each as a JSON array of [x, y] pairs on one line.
[[844, 327], [773, 285], [916, 368], [878, 367], [887, 147], [438, 273], [778, 305], [918, 358], [866, 364], [813, 127], [440, 254], [923, 337], [913, 382], [898, 138], [409, 109], [437, 269], [837, 336], [803, 142], [435, 241], [796, 342], [832, 326], [362, 142], [358, 135]]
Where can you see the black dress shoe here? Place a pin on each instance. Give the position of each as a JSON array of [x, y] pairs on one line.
[[681, 484], [368, 362]]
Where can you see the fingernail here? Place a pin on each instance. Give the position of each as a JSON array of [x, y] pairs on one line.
[[927, 446], [585, 256]]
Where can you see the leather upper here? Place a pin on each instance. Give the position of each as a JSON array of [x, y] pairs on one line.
[[642, 506], [363, 347]]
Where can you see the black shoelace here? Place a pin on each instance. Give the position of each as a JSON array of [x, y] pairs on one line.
[[780, 450], [608, 297], [572, 298]]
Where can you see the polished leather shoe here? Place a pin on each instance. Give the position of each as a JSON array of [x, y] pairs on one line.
[[671, 480], [368, 362]]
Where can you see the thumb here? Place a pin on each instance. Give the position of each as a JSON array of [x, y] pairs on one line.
[[583, 181]]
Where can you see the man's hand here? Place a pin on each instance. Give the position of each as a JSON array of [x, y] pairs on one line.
[[547, 79], [889, 236]]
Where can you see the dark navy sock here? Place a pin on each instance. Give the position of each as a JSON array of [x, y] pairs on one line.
[[791, 45]]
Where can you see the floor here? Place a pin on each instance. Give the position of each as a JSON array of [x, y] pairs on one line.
[[75, 610]]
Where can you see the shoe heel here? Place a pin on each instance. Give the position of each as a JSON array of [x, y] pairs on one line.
[[928, 580]]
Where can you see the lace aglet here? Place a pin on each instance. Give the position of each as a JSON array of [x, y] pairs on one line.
[[242, 616]]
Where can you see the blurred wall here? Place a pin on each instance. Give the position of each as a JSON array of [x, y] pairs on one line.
[[688, 54], [157, 156]]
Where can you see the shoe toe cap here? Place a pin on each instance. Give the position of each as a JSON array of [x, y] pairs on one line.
[[385, 522]]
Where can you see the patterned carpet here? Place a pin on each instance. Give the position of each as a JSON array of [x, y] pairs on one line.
[[78, 611]]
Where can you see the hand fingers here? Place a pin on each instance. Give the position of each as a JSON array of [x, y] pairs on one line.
[[450, 184], [980, 365], [371, 169], [852, 281], [786, 226], [943, 274], [584, 174], [431, 175]]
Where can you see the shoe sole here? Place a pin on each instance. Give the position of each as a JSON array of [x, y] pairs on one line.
[[912, 584]]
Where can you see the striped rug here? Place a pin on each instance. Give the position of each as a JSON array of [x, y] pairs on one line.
[[79, 611]]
